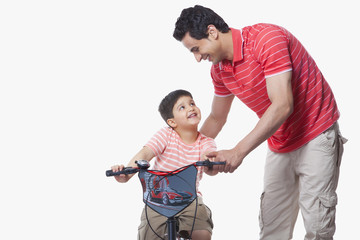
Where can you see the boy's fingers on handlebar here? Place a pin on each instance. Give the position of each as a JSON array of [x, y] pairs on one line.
[[212, 155], [117, 168], [122, 178]]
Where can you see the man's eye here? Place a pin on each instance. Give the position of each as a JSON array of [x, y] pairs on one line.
[[195, 50]]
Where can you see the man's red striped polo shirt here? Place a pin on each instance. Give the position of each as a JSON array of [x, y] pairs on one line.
[[265, 50]]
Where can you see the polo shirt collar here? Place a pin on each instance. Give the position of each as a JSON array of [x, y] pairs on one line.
[[237, 45], [237, 39]]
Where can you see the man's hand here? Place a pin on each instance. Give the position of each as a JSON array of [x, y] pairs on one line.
[[231, 158], [211, 171]]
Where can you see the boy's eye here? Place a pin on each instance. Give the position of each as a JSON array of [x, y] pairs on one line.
[[181, 108]]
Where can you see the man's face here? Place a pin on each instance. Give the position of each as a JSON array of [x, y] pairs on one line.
[[203, 49]]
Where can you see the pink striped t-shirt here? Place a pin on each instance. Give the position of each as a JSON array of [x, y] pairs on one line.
[[265, 50], [172, 153]]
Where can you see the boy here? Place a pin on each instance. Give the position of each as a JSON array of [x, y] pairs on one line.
[[175, 146]]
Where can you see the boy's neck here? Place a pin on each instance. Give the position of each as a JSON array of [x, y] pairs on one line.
[[188, 136]]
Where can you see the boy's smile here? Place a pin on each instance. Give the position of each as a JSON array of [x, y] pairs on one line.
[[192, 115]]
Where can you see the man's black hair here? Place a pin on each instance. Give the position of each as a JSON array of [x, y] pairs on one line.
[[196, 20], [167, 104]]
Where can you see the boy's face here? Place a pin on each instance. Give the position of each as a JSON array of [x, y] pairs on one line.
[[186, 113]]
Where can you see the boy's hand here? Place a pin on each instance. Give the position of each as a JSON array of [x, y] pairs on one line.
[[122, 178]]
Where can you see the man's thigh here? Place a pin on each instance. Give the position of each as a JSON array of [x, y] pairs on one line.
[[279, 201]]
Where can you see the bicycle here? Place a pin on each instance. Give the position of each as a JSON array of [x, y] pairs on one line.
[[167, 192]]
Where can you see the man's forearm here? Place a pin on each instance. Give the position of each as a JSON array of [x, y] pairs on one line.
[[216, 120], [265, 128], [280, 94], [212, 127]]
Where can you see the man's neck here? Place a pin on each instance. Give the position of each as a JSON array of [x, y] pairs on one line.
[[227, 45]]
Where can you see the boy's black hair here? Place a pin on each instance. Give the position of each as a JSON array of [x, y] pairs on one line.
[[196, 20], [167, 104]]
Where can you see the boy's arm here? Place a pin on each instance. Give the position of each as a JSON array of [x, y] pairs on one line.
[[144, 154]]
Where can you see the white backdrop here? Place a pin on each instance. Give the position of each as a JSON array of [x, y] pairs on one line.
[[80, 86]]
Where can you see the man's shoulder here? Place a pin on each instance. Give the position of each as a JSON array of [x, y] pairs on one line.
[[260, 26], [253, 31]]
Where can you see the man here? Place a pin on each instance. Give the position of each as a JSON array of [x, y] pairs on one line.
[[269, 70]]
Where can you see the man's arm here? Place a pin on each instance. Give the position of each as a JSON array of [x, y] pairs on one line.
[[217, 118], [280, 94]]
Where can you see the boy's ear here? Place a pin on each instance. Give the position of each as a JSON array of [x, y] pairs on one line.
[[171, 122]]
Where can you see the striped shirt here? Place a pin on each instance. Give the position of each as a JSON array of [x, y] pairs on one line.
[[172, 153], [265, 50]]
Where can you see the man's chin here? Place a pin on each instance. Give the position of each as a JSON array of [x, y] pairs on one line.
[[214, 62]]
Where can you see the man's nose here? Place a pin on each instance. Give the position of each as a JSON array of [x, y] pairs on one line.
[[197, 57]]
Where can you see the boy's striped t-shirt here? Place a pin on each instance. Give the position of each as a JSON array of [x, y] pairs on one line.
[[172, 153]]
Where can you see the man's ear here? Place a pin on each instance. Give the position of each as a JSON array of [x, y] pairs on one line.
[[212, 31], [171, 122]]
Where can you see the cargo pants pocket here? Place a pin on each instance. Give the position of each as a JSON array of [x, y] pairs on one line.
[[265, 218], [261, 217], [326, 217]]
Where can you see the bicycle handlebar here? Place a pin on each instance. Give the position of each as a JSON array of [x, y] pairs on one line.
[[208, 163], [131, 170], [127, 170]]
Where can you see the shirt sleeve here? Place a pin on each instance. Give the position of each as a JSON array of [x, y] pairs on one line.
[[208, 145], [271, 50], [158, 141]]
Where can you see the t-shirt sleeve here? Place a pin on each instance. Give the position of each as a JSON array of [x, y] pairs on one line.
[[158, 141], [208, 145], [271, 50], [219, 87]]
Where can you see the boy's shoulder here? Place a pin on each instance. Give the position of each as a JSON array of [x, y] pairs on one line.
[[166, 132], [166, 129], [170, 134], [204, 137]]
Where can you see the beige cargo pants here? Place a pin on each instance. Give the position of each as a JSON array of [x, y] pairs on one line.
[[307, 179]]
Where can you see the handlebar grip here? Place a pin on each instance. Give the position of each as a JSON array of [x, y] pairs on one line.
[[110, 173], [208, 163], [217, 163]]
